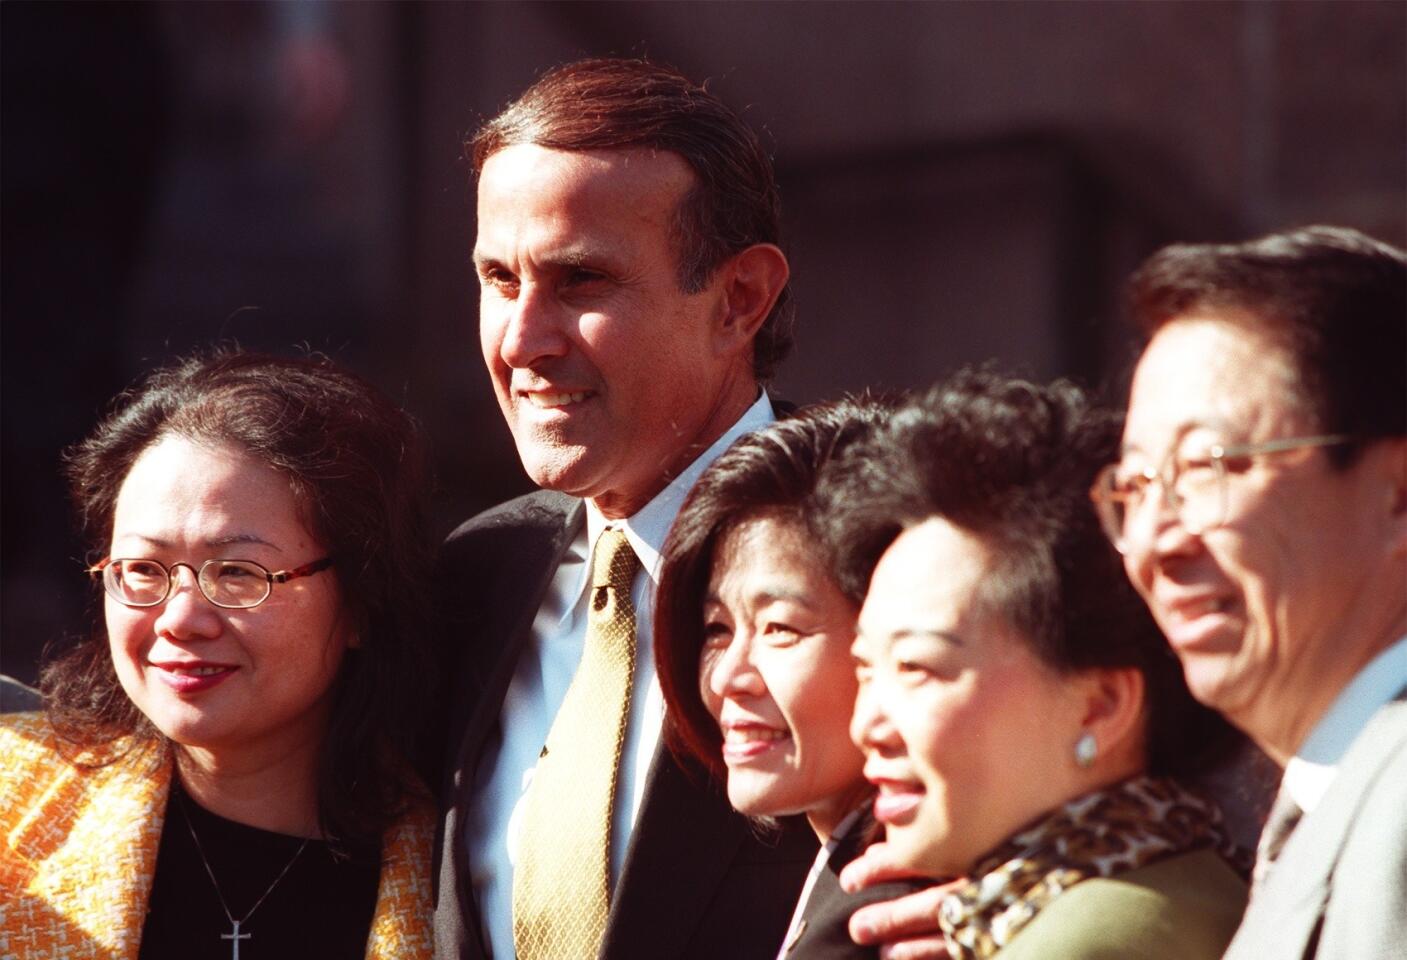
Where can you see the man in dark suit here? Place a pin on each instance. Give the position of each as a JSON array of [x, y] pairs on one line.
[[633, 305], [1261, 507]]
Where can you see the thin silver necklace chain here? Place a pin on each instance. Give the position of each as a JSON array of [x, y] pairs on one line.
[[216, 884]]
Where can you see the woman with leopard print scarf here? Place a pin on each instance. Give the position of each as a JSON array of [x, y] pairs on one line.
[[1023, 720]]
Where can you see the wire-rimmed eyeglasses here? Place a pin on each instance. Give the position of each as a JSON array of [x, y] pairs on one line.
[[232, 584], [1194, 487]]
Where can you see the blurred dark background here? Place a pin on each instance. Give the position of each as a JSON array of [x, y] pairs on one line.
[[960, 181]]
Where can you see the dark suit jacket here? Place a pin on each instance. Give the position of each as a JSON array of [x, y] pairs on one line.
[[824, 932], [697, 882], [1338, 890]]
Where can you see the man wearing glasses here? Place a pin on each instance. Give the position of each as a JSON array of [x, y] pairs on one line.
[[1261, 508]]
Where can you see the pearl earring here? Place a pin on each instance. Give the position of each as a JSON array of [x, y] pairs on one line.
[[1086, 749]]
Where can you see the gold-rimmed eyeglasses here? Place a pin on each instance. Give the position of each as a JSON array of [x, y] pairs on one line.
[[232, 584], [1193, 486]]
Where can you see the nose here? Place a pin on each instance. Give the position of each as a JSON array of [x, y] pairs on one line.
[[186, 614], [1149, 521], [733, 673], [1154, 534], [532, 330], [870, 728]]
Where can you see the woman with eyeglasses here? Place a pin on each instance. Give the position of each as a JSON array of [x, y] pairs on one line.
[[224, 767]]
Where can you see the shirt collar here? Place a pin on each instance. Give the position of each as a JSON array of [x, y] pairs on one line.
[[846, 824], [647, 527], [1312, 768]]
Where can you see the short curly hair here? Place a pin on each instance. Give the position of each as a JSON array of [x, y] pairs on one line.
[[1011, 463]]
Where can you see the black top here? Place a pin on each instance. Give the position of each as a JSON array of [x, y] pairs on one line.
[[824, 933], [321, 908]]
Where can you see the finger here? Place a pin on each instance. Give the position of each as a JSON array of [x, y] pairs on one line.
[[915, 915], [926, 948], [875, 865]]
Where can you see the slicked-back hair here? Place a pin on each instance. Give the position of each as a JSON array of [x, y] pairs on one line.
[[621, 104], [1011, 463], [771, 473], [359, 474], [1333, 298]]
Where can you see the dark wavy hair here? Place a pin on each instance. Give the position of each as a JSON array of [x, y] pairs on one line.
[[359, 474], [618, 104], [1333, 298], [1011, 463], [773, 472]]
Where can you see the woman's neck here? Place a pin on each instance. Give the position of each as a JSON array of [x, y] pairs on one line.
[[272, 789], [826, 817]]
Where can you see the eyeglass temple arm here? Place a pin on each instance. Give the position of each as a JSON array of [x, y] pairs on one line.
[[307, 569], [1282, 446]]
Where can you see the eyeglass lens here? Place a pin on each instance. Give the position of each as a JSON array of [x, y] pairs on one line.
[[1195, 489], [228, 583]]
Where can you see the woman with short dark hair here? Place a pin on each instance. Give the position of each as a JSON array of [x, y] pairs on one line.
[[227, 762], [1023, 721], [753, 628]]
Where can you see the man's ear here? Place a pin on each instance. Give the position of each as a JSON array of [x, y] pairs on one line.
[[752, 280], [1394, 474], [1113, 712]]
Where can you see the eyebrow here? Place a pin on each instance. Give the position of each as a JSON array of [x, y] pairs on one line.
[[569, 258], [1216, 424], [927, 634], [234, 539], [771, 595]]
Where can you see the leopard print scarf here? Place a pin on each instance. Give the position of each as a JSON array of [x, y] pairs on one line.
[[1128, 825]]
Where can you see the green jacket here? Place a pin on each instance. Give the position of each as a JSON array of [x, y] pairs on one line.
[[1183, 908]]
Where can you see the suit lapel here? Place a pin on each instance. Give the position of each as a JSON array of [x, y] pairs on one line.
[[1286, 911], [508, 565], [535, 566], [685, 837], [1313, 849]]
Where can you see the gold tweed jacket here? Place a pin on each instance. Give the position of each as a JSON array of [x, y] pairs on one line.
[[80, 848]]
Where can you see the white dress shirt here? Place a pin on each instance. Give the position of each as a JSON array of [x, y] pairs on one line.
[[1312, 768], [540, 683]]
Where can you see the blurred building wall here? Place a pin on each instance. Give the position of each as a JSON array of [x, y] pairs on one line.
[[961, 181]]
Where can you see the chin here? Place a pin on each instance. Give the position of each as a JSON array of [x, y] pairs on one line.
[[554, 468], [927, 846], [751, 805], [758, 801], [188, 725], [193, 735], [1209, 682], [907, 848]]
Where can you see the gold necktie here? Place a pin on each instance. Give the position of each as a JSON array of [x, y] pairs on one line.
[[561, 881]]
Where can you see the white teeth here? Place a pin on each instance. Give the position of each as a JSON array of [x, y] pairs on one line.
[[197, 671], [1201, 608], [549, 400], [899, 787], [741, 735]]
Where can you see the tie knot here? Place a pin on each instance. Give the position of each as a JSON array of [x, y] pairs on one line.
[[614, 562]]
